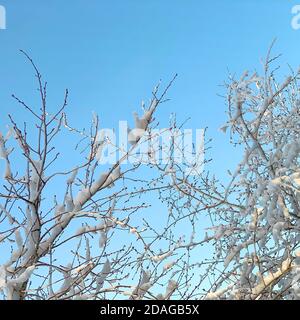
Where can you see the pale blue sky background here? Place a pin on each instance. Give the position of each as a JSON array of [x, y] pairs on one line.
[[110, 54]]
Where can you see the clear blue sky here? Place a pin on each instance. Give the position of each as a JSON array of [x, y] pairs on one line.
[[110, 54]]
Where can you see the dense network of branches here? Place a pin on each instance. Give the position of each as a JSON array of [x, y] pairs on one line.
[[86, 232], [256, 217]]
